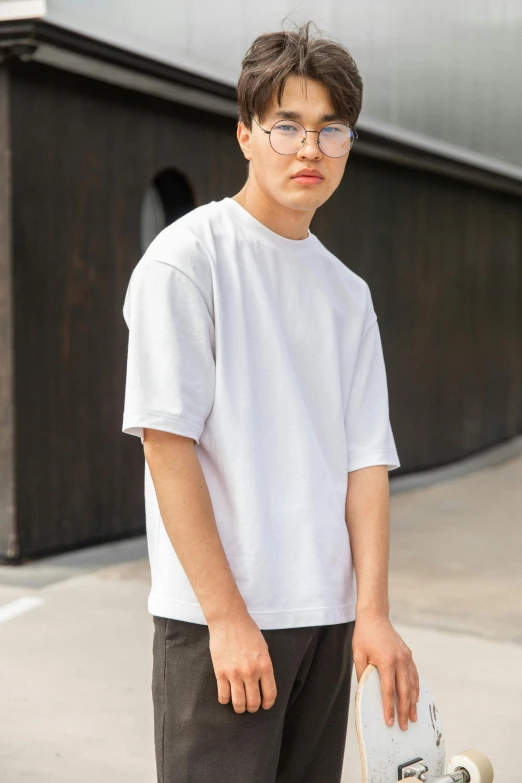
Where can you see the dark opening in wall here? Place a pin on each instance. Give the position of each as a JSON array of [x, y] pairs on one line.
[[167, 198]]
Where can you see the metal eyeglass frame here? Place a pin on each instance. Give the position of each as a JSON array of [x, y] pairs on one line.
[[355, 136]]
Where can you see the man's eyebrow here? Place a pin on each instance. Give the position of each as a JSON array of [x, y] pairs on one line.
[[295, 115]]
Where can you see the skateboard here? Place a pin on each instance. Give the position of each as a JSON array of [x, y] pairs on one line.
[[389, 754]]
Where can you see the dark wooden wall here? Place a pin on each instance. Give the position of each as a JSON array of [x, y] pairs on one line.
[[7, 402], [443, 260], [83, 155]]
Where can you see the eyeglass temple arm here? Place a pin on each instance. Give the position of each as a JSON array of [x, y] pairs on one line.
[[264, 131]]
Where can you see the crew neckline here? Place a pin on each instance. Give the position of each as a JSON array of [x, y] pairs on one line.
[[265, 234]]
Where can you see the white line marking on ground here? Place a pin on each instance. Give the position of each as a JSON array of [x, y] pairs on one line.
[[21, 605]]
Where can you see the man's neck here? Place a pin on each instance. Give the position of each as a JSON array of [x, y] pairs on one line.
[[289, 223]]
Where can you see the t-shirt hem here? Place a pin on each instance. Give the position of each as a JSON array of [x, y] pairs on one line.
[[134, 422], [389, 458], [267, 620]]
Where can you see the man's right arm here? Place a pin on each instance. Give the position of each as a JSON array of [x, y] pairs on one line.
[[238, 648]]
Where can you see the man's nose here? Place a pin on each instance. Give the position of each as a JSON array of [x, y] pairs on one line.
[[310, 146]]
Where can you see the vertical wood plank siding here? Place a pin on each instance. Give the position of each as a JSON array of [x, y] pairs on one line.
[[443, 260], [84, 154], [8, 535]]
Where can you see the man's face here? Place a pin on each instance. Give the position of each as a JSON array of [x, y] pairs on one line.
[[275, 173]]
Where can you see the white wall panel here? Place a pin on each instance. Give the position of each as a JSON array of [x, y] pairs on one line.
[[21, 9], [449, 71]]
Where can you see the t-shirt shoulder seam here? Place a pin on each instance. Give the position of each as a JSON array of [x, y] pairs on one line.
[[182, 272], [200, 244], [369, 327]]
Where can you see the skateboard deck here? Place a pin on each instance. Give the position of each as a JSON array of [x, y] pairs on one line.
[[389, 754], [384, 749]]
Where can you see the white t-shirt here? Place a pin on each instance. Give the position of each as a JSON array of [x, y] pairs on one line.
[[266, 351]]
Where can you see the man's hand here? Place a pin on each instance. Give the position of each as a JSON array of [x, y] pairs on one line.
[[376, 641], [242, 663]]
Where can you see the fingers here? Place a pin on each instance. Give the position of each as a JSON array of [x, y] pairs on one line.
[[402, 679], [387, 673], [415, 690], [376, 641], [400, 682], [233, 688], [249, 692], [253, 694], [223, 686], [238, 695], [242, 664], [408, 688], [268, 688]]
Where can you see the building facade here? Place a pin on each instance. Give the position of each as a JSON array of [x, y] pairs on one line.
[[112, 126]]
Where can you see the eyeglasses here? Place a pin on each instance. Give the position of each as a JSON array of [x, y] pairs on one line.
[[288, 136]]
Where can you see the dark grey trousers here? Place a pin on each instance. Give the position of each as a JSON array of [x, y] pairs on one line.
[[300, 739]]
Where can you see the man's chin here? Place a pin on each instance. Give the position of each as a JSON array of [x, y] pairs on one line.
[[304, 201]]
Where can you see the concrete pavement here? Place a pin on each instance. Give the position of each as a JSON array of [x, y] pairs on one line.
[[75, 637]]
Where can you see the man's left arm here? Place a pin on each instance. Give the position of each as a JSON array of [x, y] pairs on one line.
[[375, 640]]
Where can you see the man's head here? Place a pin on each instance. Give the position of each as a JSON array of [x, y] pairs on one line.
[[291, 75]]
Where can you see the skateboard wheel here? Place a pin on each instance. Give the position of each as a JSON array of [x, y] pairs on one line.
[[476, 764]]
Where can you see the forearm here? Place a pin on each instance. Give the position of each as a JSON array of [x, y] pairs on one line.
[[367, 520], [186, 510]]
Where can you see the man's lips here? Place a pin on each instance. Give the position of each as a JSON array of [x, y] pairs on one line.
[[307, 178]]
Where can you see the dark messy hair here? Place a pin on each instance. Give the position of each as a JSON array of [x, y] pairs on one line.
[[272, 57]]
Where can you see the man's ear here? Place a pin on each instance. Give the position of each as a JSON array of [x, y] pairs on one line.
[[243, 137]]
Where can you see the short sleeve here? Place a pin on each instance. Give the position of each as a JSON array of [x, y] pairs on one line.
[[369, 435], [170, 378]]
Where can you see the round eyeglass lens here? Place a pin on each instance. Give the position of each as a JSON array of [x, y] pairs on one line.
[[336, 139], [288, 136]]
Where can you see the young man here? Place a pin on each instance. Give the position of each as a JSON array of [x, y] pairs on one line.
[[257, 385]]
